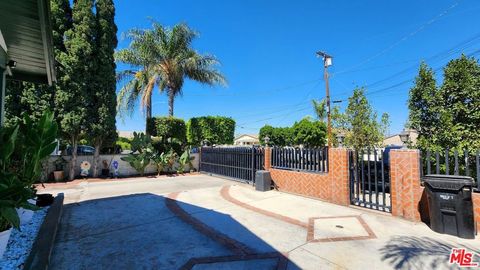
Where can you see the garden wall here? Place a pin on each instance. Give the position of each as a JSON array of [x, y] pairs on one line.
[[124, 170], [331, 186], [408, 196]]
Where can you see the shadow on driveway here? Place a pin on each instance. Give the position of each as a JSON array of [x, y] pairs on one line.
[[147, 231], [409, 252]]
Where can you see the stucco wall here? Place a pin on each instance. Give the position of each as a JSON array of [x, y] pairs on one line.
[[124, 168]]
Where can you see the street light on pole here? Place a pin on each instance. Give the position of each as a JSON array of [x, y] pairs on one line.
[[327, 61]]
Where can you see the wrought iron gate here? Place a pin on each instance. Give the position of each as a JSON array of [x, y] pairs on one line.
[[370, 179], [238, 163]]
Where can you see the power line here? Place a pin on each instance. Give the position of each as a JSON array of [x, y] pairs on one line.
[[406, 37]]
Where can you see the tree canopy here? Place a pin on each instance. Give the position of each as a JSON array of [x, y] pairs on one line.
[[447, 116], [162, 57]]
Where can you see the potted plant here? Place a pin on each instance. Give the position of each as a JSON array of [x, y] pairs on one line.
[[59, 174]]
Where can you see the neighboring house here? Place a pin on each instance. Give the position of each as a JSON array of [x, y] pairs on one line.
[[395, 139], [126, 134], [26, 46], [246, 139]]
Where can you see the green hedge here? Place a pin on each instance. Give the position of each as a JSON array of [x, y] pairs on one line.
[[279, 136], [214, 129], [167, 128]]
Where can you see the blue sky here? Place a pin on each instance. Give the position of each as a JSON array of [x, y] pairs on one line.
[[267, 50]]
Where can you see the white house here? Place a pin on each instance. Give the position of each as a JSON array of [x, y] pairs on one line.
[[246, 139]]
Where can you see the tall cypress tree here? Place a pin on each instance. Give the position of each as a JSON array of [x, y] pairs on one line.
[[72, 99], [102, 110], [424, 109]]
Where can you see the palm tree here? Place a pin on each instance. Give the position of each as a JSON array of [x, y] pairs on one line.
[[320, 109], [162, 57]]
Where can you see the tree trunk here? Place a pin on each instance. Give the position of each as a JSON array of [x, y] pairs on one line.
[[73, 161], [96, 156], [148, 116], [171, 99]]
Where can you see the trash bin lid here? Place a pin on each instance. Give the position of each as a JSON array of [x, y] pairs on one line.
[[448, 182]]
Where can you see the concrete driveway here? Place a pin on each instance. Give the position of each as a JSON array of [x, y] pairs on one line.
[[202, 222]]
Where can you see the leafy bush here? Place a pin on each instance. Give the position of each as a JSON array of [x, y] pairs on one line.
[[167, 128], [124, 143], [23, 149], [214, 129], [279, 136], [161, 161], [139, 161], [185, 159], [309, 132]]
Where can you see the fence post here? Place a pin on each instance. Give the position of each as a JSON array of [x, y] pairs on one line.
[[405, 189], [267, 158], [339, 175]]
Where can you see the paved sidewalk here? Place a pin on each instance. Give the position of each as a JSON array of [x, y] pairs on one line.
[[202, 222]]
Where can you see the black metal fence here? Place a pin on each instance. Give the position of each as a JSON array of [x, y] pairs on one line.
[[300, 159], [451, 162], [370, 179], [239, 163]]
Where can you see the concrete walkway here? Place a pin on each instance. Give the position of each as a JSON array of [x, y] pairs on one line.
[[202, 222]]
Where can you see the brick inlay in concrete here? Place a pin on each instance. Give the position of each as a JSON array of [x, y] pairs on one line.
[[338, 228], [243, 253]]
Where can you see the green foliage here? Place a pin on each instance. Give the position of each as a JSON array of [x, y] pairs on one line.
[[101, 126], [214, 129], [171, 159], [142, 153], [359, 123], [167, 128], [309, 133], [24, 148], [124, 143], [185, 159], [320, 108], [279, 136], [447, 116], [162, 57], [140, 142], [21, 97], [139, 161], [161, 161]]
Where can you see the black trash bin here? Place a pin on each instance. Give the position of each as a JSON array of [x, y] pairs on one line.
[[263, 181], [450, 204]]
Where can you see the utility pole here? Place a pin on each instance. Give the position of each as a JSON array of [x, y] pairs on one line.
[[327, 61]]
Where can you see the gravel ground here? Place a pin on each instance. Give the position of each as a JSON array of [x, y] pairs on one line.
[[20, 242]]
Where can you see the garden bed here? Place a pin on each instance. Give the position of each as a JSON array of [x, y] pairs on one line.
[[21, 241]]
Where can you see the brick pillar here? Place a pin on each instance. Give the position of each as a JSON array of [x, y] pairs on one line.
[[268, 158], [339, 173], [405, 189]]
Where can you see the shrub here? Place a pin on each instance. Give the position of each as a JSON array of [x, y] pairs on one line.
[[23, 149], [214, 129], [124, 143], [279, 136], [167, 128], [309, 132]]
